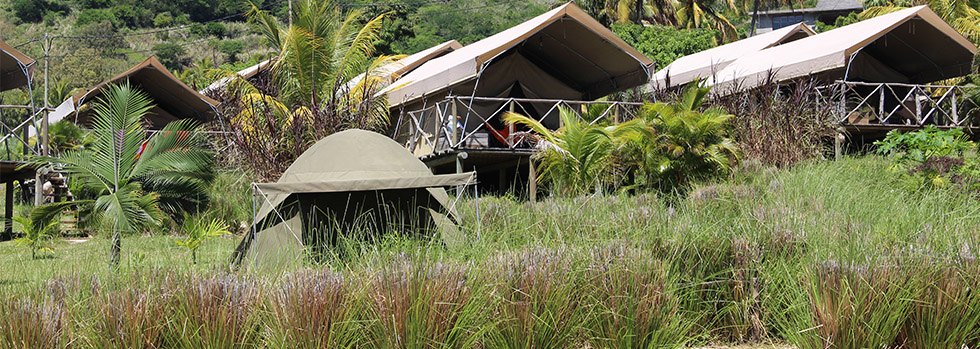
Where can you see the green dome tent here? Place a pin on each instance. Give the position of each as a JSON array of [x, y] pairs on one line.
[[346, 182]]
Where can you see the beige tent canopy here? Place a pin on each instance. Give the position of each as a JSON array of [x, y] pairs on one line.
[[562, 53], [912, 45], [344, 177], [15, 68], [246, 73], [172, 98], [706, 63], [398, 68]]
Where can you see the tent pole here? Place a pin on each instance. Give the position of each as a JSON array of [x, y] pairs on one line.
[[476, 196], [532, 181]]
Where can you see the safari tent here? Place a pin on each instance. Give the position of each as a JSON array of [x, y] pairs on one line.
[[349, 180], [173, 99], [913, 46], [561, 54], [706, 63], [16, 68]]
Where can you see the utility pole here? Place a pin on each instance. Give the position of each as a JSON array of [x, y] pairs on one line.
[[42, 134]]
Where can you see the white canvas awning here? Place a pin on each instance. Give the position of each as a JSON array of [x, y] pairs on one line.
[[565, 43], [706, 63], [912, 45]]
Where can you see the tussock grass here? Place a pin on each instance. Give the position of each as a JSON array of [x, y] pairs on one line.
[[827, 254]]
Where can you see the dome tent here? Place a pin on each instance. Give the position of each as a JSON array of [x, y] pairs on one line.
[[348, 178]]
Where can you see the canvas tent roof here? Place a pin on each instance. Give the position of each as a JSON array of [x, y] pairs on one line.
[[244, 74], [400, 67], [354, 160], [349, 162], [12, 67], [705, 63], [913, 45], [172, 98], [575, 51]]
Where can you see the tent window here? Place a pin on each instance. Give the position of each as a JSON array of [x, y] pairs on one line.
[[785, 21]]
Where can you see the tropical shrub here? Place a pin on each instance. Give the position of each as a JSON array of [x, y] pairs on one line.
[[573, 159], [669, 146], [308, 98], [134, 179], [931, 157], [687, 141], [198, 231], [37, 234]]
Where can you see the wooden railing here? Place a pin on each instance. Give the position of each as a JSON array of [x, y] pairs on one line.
[[898, 104], [456, 123], [14, 137]]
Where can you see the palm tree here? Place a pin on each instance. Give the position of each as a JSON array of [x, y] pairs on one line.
[[127, 171], [958, 13], [692, 14], [574, 158], [685, 142], [318, 54]]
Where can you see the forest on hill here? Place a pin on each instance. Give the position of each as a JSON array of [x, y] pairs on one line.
[[92, 40]]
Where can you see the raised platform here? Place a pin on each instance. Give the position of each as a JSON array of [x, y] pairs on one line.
[[10, 171], [498, 169]]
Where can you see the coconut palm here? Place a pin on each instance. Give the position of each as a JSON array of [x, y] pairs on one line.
[[958, 13], [127, 171], [692, 14]]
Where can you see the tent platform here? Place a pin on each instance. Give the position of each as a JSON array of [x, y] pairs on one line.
[[499, 170], [10, 171]]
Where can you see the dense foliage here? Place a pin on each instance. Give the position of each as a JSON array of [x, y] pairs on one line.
[[665, 44], [932, 158], [668, 147]]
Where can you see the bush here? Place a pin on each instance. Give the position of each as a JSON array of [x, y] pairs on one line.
[[131, 16], [231, 48], [170, 54], [780, 125], [215, 29], [932, 157], [164, 19], [90, 16], [665, 44]]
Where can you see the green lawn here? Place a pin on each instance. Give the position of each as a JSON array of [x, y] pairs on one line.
[[86, 257]]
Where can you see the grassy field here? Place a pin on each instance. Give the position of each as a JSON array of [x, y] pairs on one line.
[[831, 254]]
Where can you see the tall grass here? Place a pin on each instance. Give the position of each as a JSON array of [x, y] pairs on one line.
[[820, 255]]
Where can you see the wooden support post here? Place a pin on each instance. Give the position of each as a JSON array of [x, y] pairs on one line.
[[454, 123], [838, 144], [956, 116], [510, 128], [616, 119], [8, 212], [532, 181], [918, 107], [881, 103]]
